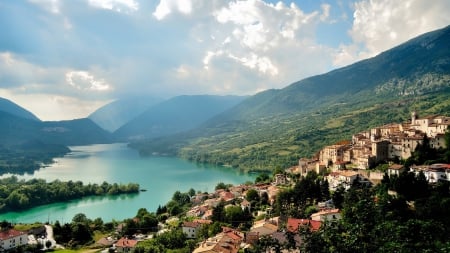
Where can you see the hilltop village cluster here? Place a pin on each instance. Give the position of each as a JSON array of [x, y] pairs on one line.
[[342, 164], [397, 141]]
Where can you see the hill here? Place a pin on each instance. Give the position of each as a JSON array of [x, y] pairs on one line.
[[175, 115], [14, 109], [15, 130], [277, 127], [27, 144], [115, 114]]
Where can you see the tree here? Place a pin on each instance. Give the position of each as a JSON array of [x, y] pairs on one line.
[[81, 232], [173, 239], [80, 218], [262, 178], [191, 192], [252, 195], [446, 157], [221, 185], [218, 212]]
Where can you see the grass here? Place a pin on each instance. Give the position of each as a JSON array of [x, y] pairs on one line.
[[25, 227]]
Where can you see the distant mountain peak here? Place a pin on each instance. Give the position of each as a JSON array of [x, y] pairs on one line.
[[16, 110]]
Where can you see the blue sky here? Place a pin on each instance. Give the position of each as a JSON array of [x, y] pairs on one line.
[[64, 59]]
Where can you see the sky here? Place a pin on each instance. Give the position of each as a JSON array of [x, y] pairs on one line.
[[63, 59]]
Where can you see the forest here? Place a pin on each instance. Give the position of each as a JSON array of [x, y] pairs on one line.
[[18, 194]]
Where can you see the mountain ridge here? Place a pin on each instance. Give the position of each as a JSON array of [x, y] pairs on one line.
[[175, 115], [15, 109], [114, 115]]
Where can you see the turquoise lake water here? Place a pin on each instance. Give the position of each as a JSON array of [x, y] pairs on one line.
[[115, 163]]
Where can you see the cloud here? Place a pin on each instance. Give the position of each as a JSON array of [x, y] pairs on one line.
[[165, 7], [379, 25], [97, 50], [54, 107], [126, 6], [85, 81]]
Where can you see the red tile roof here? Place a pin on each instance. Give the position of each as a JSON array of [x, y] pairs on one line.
[[294, 224], [5, 235], [126, 243], [190, 224]]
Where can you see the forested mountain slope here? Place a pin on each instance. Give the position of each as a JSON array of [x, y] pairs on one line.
[[276, 127]]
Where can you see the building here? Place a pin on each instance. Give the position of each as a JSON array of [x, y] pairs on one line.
[[433, 173], [344, 178], [326, 215], [293, 225], [125, 245], [385, 143], [11, 238], [332, 154], [395, 170], [228, 241], [191, 229]]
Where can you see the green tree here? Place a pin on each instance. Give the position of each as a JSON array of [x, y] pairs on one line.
[[221, 185], [218, 212], [173, 239], [252, 196]]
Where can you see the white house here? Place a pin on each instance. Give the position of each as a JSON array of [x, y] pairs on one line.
[[326, 215], [433, 173], [12, 238], [344, 178], [190, 229]]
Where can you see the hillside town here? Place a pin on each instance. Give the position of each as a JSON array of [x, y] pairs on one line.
[[261, 216]]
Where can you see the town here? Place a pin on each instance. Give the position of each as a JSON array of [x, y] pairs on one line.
[[285, 211]]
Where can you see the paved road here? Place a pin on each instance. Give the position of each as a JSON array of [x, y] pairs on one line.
[[49, 231]]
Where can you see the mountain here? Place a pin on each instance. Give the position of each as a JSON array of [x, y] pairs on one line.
[[115, 114], [26, 144], [15, 130], [14, 109], [276, 127], [176, 115]]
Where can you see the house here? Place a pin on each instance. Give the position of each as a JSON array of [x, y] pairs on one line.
[[251, 237], [227, 197], [228, 241], [191, 229], [395, 169], [280, 179], [265, 228], [293, 225], [326, 215], [207, 215], [433, 173], [344, 178], [245, 204], [11, 238], [125, 245]]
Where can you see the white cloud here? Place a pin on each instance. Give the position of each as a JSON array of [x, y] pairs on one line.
[[379, 25], [85, 81], [165, 7], [116, 5], [174, 47], [17, 72]]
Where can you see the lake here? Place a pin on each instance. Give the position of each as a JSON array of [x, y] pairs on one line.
[[115, 163]]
